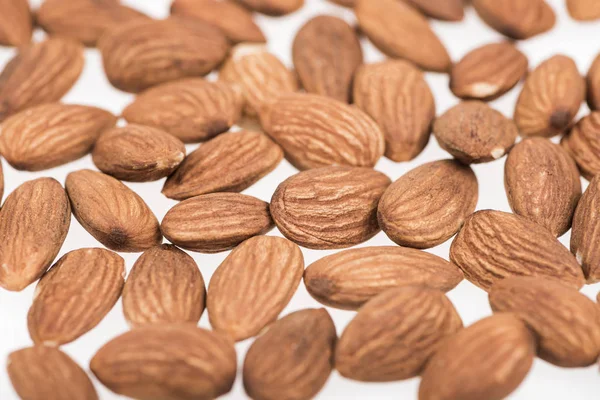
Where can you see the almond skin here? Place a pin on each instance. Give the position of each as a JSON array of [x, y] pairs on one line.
[[394, 334], [253, 285], [34, 222], [446, 10], [143, 363], [584, 10], [593, 84], [273, 7], [584, 236], [329, 208], [493, 245], [429, 204], [16, 24], [583, 144], [231, 162], [164, 286], [111, 212], [61, 311], [293, 359]]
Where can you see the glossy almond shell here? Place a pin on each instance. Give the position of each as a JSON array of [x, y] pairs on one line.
[[584, 10], [593, 84], [16, 22], [582, 143], [585, 236], [445, 10], [273, 7]]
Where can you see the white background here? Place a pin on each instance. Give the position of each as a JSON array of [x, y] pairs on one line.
[[578, 40]]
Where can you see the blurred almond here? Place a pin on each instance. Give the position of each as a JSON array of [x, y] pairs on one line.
[[585, 236], [273, 7], [584, 10], [345, 3], [582, 142], [446, 10], [16, 22], [593, 84]]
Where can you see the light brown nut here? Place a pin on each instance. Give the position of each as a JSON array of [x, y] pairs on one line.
[[488, 72], [400, 31], [542, 184], [293, 359], [230, 162], [111, 212], [16, 24], [593, 84], [164, 286], [394, 93], [273, 7], [584, 10], [394, 334], [446, 10], [565, 322], [329, 208], [429, 204], [34, 222], [488, 360], [493, 245], [74, 295], [345, 3], [550, 99], [475, 133], [253, 285], [585, 236], [46, 373], [167, 362], [582, 143]]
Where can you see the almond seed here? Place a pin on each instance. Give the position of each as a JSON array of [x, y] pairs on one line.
[[273, 7], [446, 10], [584, 236], [593, 84], [581, 142], [15, 23], [584, 10]]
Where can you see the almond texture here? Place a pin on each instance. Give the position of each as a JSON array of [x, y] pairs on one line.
[[585, 236], [584, 10], [582, 143], [446, 10], [593, 84], [273, 7], [16, 24]]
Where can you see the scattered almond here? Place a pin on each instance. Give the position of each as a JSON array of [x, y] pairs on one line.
[[585, 235], [584, 10], [583, 144], [16, 22], [273, 7], [593, 84], [446, 10]]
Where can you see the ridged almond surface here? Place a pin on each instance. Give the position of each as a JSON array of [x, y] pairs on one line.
[[216, 222], [446, 10], [16, 22], [34, 222], [253, 285], [167, 362], [394, 334], [488, 360], [400, 31], [593, 84], [230, 162], [550, 99], [566, 322], [164, 286], [582, 143], [394, 93], [585, 236], [111, 212], [273, 7], [50, 135], [329, 208], [542, 184], [429, 204], [75, 295], [293, 358], [584, 10], [493, 245]]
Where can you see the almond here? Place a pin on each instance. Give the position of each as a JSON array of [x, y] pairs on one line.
[[164, 286], [293, 359], [329, 208], [585, 235], [50, 135], [16, 24], [345, 3], [394, 334], [273, 7], [582, 143], [34, 222], [230, 162], [253, 285], [446, 10], [167, 362], [593, 85], [61, 311], [584, 10], [394, 93], [111, 212], [542, 184], [429, 204], [494, 245], [550, 99]]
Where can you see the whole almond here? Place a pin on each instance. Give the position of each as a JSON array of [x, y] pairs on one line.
[[542, 184], [273, 7], [493, 245], [167, 362], [61, 311], [34, 222], [111, 212], [566, 322], [446, 10], [488, 360], [329, 208], [585, 235], [593, 84], [16, 24], [164, 286], [394, 334], [429, 204], [550, 99], [584, 10], [293, 358], [394, 93], [582, 142], [230, 162], [253, 285], [50, 135]]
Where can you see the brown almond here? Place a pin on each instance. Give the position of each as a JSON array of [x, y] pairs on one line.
[[550, 99], [16, 25], [345, 3], [34, 222], [53, 134], [585, 236], [230, 162], [253, 285], [61, 311], [164, 286], [593, 84], [584, 10], [493, 245], [293, 359], [111, 212], [583, 144], [445, 10], [394, 93], [273, 7]]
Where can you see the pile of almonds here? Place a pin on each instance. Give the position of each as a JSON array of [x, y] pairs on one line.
[[332, 117]]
